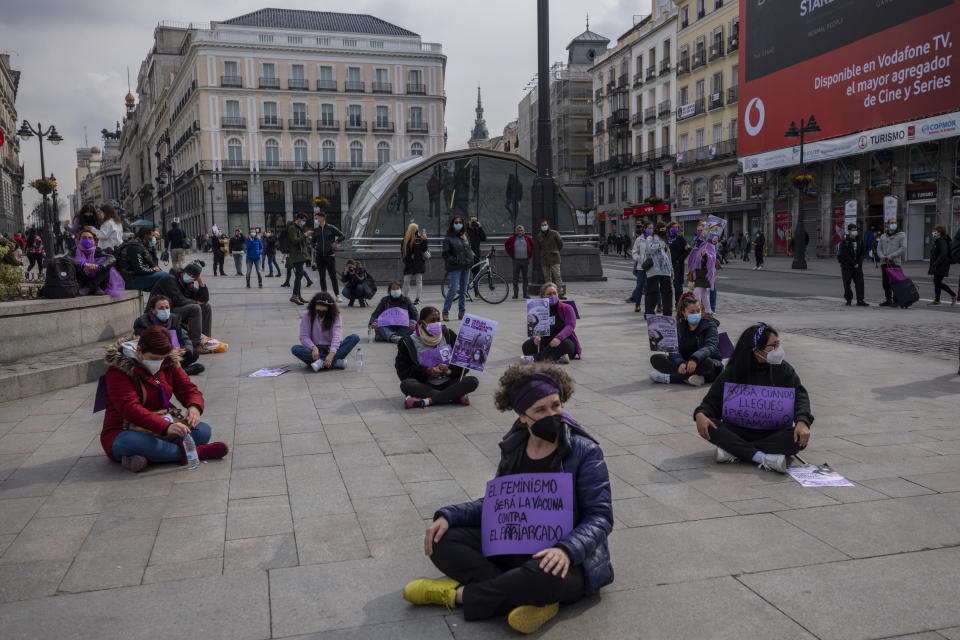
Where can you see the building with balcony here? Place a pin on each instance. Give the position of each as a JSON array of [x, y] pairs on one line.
[[11, 171], [571, 120], [271, 109], [708, 180], [633, 141]]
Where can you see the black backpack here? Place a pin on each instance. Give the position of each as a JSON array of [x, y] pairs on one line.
[[953, 248], [283, 241], [61, 280]]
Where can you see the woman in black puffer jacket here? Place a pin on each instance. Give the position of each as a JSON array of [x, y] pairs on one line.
[[457, 259]]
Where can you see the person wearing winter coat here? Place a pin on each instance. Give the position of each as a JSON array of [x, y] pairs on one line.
[[238, 246], [891, 250], [322, 343], [759, 242], [697, 360], [457, 259], [95, 272], [221, 247], [413, 251], [549, 245], [270, 253], [562, 343], [298, 256], [354, 278], [394, 300], [519, 247], [940, 264], [850, 255], [136, 264], [159, 314], [254, 250], [527, 588], [189, 299], [422, 364], [660, 274], [142, 425], [742, 420], [325, 240]]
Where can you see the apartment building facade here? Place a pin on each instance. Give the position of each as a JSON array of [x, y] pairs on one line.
[[272, 109], [11, 171]]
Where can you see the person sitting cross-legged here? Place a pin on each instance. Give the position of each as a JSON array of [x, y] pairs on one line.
[[394, 300], [322, 343]]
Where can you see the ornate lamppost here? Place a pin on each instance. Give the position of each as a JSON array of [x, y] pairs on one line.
[[43, 185], [801, 181]]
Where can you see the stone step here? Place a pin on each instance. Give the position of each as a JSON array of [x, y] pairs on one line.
[[52, 371]]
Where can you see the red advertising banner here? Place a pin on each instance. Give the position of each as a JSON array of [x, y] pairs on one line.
[[855, 65], [838, 217], [783, 228]]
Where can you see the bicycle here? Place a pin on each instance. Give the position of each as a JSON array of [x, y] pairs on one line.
[[487, 284]]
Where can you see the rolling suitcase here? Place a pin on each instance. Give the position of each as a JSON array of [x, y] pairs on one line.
[[905, 292]]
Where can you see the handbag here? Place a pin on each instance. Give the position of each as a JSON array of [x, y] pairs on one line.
[[171, 412], [426, 255], [647, 264]]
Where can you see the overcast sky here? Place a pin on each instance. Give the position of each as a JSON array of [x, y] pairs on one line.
[[74, 56]]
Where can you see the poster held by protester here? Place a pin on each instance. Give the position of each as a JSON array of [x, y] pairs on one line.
[[818, 475], [394, 317], [538, 317], [526, 513], [757, 407], [662, 333], [435, 356], [472, 347], [715, 226]]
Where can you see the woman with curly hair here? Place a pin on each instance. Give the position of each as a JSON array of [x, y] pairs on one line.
[[527, 588]]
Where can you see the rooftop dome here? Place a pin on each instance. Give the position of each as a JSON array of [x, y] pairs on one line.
[[130, 100]]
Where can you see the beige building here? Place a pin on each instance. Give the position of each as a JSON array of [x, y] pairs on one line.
[[708, 180], [11, 172], [271, 109]]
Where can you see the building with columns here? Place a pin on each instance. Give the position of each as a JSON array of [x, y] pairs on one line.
[[269, 110], [11, 171]]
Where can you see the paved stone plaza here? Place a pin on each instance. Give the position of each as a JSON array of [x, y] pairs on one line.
[[314, 522]]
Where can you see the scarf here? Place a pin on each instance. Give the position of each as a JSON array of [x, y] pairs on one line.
[[85, 255], [429, 340]]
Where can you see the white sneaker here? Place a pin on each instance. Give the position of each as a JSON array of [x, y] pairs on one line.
[[755, 268], [760, 268], [340, 364], [564, 359], [773, 462], [696, 381], [725, 456], [317, 365], [526, 358], [339, 298], [659, 376]]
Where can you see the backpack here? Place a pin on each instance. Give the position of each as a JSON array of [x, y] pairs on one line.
[[953, 248], [283, 241], [61, 280]]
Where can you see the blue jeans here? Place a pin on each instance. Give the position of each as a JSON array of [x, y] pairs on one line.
[[238, 262], [384, 333], [346, 346], [300, 274], [255, 263], [641, 277], [271, 260], [135, 443], [679, 275], [459, 278], [352, 292], [713, 299], [144, 283]]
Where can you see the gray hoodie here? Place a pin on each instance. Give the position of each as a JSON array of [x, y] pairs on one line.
[[660, 252], [892, 247]]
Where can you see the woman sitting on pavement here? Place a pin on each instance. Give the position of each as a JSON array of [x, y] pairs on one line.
[[322, 345], [527, 588], [698, 359], [562, 343], [426, 378], [141, 424], [353, 277], [95, 272], [394, 300], [755, 422], [159, 314]]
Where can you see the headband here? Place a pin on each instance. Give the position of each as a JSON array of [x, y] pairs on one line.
[[528, 389], [760, 330]]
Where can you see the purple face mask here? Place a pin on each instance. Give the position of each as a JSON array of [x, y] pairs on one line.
[[86, 243], [649, 232], [673, 232]]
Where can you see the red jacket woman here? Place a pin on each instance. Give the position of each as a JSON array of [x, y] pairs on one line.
[[141, 423]]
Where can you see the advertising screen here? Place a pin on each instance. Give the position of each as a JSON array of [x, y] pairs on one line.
[[854, 64]]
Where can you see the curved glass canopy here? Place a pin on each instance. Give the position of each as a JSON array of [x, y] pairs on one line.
[[495, 187]]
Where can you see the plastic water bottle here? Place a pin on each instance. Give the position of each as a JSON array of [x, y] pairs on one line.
[[193, 461], [369, 335], [359, 359]]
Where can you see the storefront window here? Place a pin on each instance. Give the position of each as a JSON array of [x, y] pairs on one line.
[[881, 169], [843, 176], [923, 163]]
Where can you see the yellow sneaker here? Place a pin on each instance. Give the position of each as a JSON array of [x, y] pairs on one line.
[[427, 591], [528, 618]]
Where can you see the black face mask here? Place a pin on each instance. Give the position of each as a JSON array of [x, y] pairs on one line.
[[547, 428], [321, 314]]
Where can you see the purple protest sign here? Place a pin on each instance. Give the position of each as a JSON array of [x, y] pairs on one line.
[[472, 347], [757, 407], [538, 317], [173, 338], [662, 333], [394, 317], [526, 513], [715, 226], [435, 356]]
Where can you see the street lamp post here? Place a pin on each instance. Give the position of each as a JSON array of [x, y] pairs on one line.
[[319, 168], [55, 215], [544, 186], [212, 221], [801, 181], [50, 134]]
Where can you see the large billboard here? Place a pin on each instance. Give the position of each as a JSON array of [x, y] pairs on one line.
[[854, 64]]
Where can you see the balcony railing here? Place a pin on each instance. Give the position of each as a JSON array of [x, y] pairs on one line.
[[699, 59], [663, 153], [620, 116], [231, 81], [269, 83], [716, 50], [236, 165], [416, 127], [416, 89], [732, 95], [663, 109], [649, 114], [638, 79], [233, 122], [297, 84], [701, 13], [598, 94], [298, 124], [664, 67], [700, 106], [622, 80], [636, 120], [326, 124], [733, 42], [651, 73], [598, 128], [716, 101], [292, 165], [355, 125], [683, 66], [353, 86], [382, 87], [326, 85], [271, 123], [382, 126]]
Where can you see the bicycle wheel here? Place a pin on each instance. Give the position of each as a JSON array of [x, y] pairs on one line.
[[492, 287]]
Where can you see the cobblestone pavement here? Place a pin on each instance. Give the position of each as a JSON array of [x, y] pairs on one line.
[[313, 523]]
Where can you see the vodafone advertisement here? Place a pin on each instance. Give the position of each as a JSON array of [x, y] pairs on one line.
[[856, 65]]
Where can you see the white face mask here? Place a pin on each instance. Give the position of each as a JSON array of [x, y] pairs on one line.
[[151, 365], [775, 357]]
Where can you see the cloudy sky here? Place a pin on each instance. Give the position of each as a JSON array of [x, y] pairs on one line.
[[74, 56]]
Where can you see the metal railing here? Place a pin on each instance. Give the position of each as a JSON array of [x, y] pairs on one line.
[[651, 73], [353, 86], [355, 125], [649, 114], [663, 109], [665, 67], [638, 79], [732, 95], [231, 81], [636, 119], [271, 123], [232, 122], [382, 87], [297, 84], [328, 125], [416, 89], [326, 85], [699, 59], [298, 124], [382, 126], [683, 66], [716, 50], [269, 83], [417, 127]]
